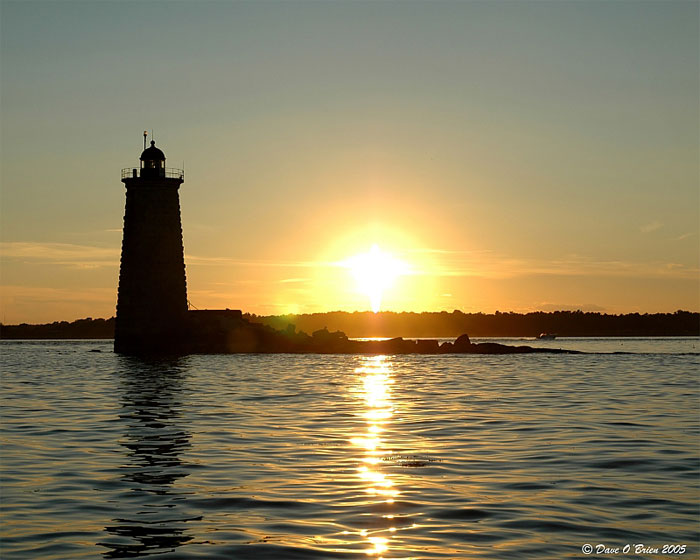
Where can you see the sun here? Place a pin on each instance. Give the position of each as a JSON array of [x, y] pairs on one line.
[[375, 272]]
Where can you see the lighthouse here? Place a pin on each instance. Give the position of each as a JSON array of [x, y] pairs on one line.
[[152, 296]]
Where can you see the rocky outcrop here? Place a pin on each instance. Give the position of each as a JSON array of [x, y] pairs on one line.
[[227, 332]]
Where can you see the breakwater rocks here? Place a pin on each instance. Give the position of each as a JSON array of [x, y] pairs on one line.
[[227, 332], [424, 346]]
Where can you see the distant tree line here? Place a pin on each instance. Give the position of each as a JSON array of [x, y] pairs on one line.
[[445, 324], [419, 325], [82, 328]]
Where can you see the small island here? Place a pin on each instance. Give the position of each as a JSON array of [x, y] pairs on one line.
[[229, 332]]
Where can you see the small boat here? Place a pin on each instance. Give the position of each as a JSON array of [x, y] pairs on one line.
[[546, 336]]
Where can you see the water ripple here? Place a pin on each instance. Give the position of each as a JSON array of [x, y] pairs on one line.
[[285, 457]]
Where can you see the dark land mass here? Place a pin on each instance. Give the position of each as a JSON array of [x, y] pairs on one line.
[[80, 329], [229, 331], [418, 325], [447, 325]]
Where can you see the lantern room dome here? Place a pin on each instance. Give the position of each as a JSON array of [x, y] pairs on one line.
[[152, 153]]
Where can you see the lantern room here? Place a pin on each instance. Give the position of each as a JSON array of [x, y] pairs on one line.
[[152, 162]]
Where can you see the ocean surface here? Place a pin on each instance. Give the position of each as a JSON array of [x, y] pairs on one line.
[[357, 457]]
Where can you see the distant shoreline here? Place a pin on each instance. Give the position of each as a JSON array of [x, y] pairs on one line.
[[418, 325]]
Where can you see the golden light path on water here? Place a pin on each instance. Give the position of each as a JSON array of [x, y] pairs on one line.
[[375, 380], [319, 457]]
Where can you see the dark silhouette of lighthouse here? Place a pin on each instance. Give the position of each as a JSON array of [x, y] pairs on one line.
[[152, 297]]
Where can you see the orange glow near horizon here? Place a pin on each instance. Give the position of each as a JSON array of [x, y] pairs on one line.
[[375, 272]]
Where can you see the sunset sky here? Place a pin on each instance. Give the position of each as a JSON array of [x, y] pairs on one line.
[[507, 155]]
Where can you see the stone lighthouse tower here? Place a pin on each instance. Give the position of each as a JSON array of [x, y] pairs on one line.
[[152, 298]]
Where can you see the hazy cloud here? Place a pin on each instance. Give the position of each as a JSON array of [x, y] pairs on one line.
[[653, 226], [71, 254], [489, 264], [66, 254], [485, 264], [228, 261], [44, 294]]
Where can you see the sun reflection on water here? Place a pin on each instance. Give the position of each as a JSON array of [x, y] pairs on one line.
[[376, 380]]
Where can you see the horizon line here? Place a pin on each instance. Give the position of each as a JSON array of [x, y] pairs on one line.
[[370, 312]]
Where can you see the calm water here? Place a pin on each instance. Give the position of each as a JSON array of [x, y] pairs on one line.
[[286, 457]]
